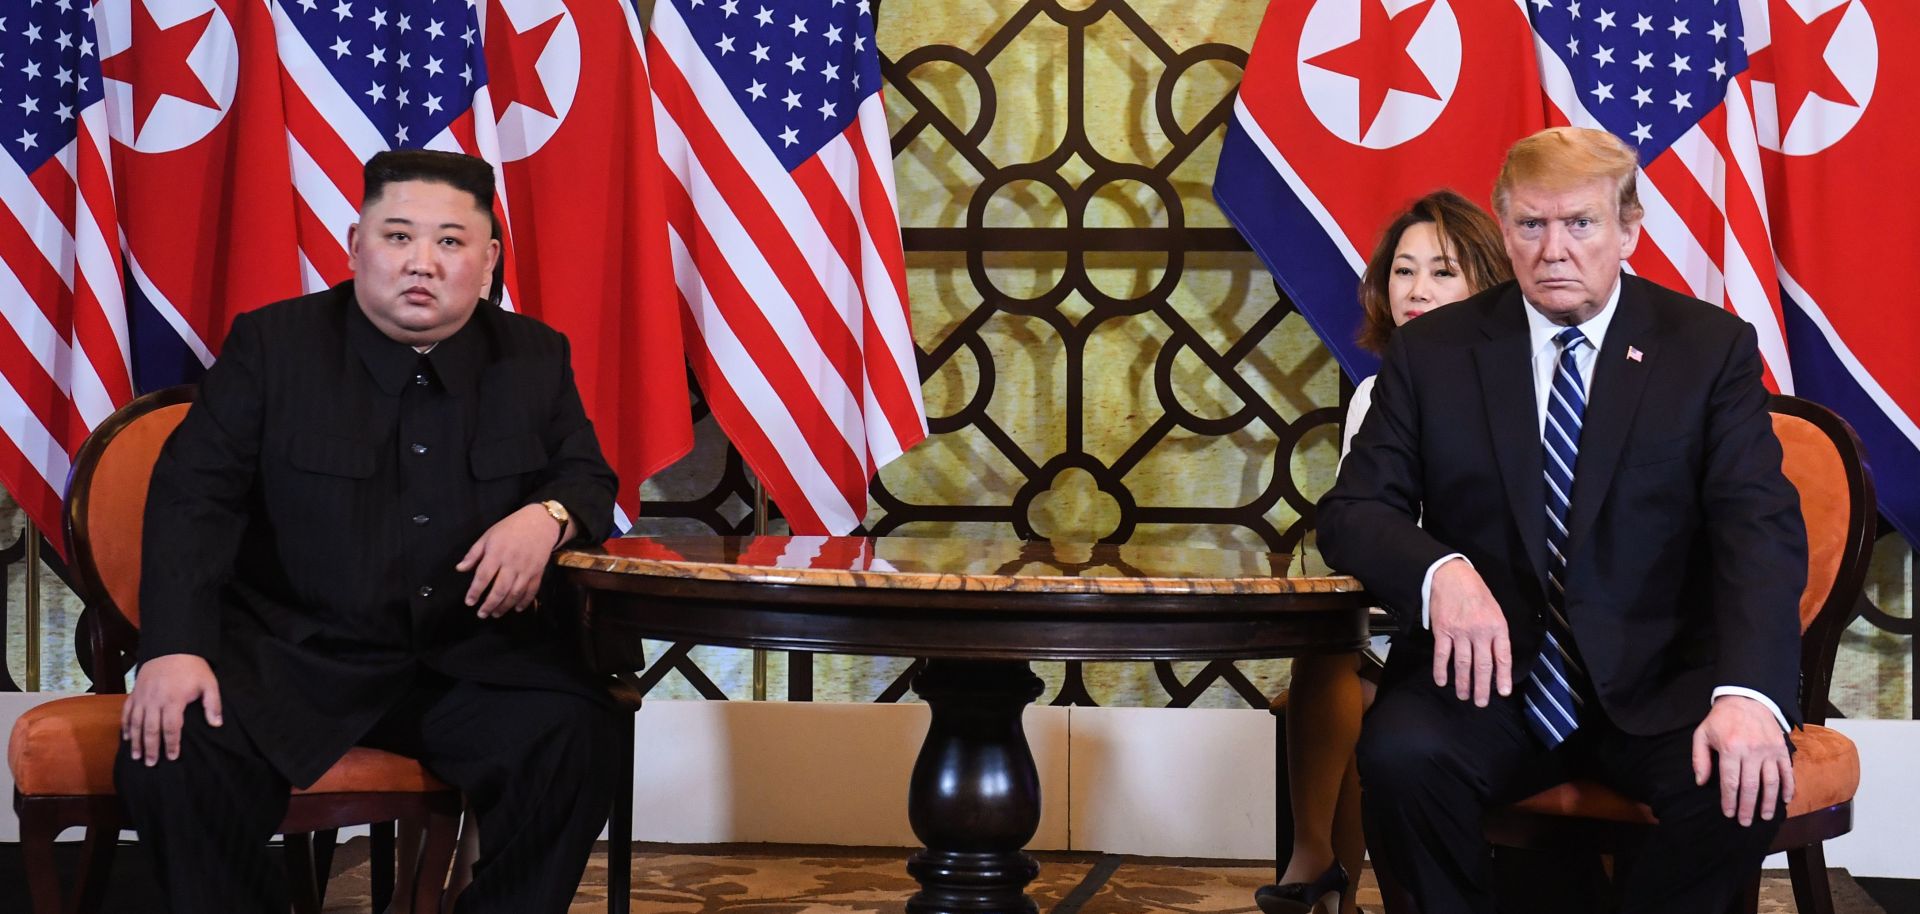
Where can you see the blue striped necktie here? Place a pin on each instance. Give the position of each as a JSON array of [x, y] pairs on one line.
[[1553, 704]]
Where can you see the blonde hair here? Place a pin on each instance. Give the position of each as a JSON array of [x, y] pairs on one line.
[[1467, 236], [1560, 157]]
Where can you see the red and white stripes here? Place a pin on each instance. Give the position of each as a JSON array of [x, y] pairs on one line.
[[792, 287], [329, 138], [65, 360], [1705, 229]]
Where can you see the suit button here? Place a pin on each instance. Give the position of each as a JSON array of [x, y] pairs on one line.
[[425, 591], [420, 520], [419, 449]]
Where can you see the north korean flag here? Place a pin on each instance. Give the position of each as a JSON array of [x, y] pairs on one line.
[[590, 256], [1349, 110], [1830, 83], [200, 161]]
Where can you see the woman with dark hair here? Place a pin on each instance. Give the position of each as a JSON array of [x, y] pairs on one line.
[[1442, 249]]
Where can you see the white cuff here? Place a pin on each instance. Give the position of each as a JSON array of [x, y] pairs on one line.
[[1756, 696], [1426, 585]]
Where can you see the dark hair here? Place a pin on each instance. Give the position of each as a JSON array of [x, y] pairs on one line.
[[461, 172], [1467, 235], [497, 288]]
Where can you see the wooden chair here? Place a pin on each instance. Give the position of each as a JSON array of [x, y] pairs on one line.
[[62, 753], [1822, 459]]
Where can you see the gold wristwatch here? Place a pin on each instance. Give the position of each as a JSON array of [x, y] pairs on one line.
[[558, 512]]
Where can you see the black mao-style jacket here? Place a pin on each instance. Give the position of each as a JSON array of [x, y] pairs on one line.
[[304, 521]]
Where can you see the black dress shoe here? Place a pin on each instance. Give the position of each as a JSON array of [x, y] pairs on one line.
[[1304, 897]]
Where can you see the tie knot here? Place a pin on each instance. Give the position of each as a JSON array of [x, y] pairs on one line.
[[1570, 339]]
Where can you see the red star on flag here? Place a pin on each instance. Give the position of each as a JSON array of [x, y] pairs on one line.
[[1795, 61], [1379, 58], [162, 68], [517, 80]]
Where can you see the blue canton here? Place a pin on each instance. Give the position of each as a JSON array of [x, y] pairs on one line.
[[411, 65], [49, 73], [1649, 70], [798, 68]]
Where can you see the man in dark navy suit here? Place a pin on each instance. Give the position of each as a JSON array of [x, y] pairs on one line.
[[340, 542], [1569, 490]]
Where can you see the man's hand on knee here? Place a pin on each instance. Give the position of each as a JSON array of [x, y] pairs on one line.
[[1755, 767], [1469, 635], [151, 717]]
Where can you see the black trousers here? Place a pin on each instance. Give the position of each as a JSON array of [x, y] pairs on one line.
[[1431, 765], [534, 767]]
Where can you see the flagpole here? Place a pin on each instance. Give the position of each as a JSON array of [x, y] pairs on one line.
[[32, 603], [759, 529]]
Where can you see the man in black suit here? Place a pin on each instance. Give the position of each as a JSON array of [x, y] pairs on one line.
[[1569, 491], [340, 540]]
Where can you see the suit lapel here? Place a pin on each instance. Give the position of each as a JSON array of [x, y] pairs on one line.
[[1504, 362], [1618, 383]]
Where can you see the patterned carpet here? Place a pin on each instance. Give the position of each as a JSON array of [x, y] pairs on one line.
[[785, 879]]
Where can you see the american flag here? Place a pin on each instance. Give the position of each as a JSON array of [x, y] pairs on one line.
[[1662, 76], [172, 163], [786, 247], [1765, 129], [64, 351], [369, 75]]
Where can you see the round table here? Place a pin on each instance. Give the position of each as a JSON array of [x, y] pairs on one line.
[[978, 611]]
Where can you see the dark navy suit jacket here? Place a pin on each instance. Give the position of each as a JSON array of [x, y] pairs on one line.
[[1687, 553]]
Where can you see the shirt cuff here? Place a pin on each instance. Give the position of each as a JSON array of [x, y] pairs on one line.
[[1756, 696], [1426, 585]]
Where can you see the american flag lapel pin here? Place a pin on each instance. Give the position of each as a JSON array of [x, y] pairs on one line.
[[1634, 354]]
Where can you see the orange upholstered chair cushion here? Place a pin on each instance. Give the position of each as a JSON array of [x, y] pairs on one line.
[[1826, 772], [1586, 800], [1826, 769], [66, 748], [364, 770], [1813, 465]]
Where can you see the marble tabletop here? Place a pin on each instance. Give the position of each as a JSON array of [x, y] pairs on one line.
[[932, 564]]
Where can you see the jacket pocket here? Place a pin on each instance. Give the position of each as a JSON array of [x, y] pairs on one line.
[[332, 455], [509, 456]]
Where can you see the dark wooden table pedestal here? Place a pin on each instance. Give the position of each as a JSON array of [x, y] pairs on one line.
[[974, 800], [978, 611]]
